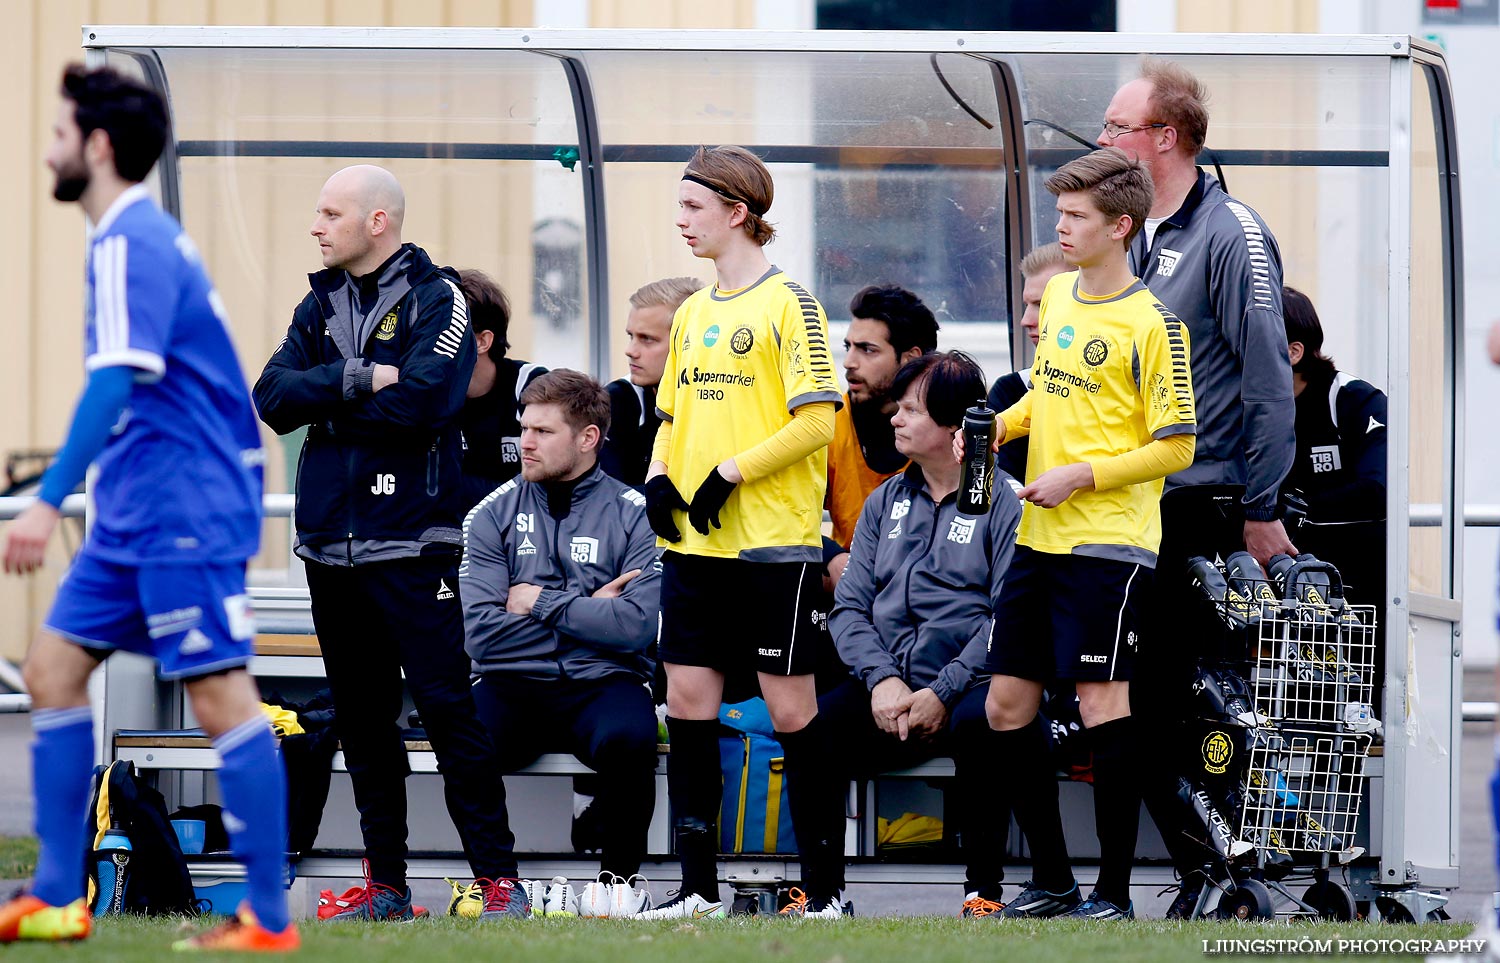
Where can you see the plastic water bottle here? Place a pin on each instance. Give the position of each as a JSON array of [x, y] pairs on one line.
[[112, 865], [976, 479]]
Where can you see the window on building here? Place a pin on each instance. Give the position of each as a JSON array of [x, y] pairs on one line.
[[1091, 15]]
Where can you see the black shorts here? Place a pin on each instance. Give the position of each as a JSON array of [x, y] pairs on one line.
[[727, 613], [1071, 617]]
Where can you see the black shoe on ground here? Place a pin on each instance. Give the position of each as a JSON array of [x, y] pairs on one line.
[[1098, 908], [1037, 903], [1186, 903]]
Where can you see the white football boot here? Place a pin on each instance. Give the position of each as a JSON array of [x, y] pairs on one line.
[[536, 895], [629, 900], [596, 899], [684, 906], [560, 899]]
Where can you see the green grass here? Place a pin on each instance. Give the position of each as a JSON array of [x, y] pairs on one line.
[[908, 940], [17, 857]]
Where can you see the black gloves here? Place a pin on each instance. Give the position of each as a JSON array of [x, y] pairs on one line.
[[663, 498], [711, 496]]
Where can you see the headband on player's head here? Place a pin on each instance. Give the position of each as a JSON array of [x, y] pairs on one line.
[[697, 178]]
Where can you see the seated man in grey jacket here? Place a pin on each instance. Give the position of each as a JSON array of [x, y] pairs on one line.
[[913, 616], [560, 589]]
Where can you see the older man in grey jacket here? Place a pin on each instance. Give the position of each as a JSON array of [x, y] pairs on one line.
[[1215, 264], [914, 612], [559, 582]]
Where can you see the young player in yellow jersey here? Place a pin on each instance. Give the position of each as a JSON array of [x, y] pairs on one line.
[[735, 490], [1109, 415]]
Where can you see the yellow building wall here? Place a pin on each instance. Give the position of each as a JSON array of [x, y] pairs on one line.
[[673, 14], [1245, 16], [1290, 209]]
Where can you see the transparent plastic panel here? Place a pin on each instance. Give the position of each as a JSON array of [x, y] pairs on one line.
[[768, 97], [250, 217], [1431, 387], [883, 175], [939, 232], [645, 246], [1255, 102], [414, 96], [1286, 132], [471, 135], [1302, 140]]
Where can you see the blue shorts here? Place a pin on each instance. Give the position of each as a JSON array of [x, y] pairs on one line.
[[192, 619]]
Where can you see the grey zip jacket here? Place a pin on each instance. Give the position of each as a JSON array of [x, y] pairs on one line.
[[918, 598], [1215, 265], [510, 538]]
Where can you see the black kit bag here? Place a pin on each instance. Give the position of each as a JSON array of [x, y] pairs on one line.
[[133, 841]]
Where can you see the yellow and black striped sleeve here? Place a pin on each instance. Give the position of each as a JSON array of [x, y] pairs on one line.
[[806, 364], [1166, 380]]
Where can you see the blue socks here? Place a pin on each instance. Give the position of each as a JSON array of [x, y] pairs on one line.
[[62, 760], [1495, 814], [253, 783], [252, 778]]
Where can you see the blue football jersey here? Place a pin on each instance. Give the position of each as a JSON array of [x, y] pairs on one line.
[[180, 479]]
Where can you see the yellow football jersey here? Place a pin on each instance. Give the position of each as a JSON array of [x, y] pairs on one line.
[[1110, 375], [739, 364]]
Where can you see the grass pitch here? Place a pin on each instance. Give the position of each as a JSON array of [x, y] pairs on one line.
[[897, 940], [17, 857]]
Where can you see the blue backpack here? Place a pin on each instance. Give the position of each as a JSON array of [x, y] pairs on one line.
[[755, 817]]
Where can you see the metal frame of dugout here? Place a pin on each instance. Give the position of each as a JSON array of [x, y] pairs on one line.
[[924, 150]]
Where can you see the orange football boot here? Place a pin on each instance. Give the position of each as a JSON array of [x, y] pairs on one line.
[[242, 933], [28, 918]]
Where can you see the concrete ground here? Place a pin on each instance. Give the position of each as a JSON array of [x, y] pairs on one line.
[[15, 758], [1477, 849], [1477, 873]]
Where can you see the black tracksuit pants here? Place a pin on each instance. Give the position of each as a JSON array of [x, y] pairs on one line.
[[981, 813], [608, 723], [375, 621], [1182, 630]]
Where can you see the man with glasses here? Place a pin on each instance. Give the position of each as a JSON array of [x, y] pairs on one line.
[[1214, 264]]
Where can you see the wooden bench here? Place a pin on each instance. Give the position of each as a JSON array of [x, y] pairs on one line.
[[190, 749], [295, 655], [303, 645], [155, 750], [287, 657], [748, 875]]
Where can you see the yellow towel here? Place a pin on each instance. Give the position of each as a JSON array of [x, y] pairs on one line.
[[912, 829], [283, 721]]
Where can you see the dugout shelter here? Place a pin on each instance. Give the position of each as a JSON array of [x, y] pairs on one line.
[[549, 158]]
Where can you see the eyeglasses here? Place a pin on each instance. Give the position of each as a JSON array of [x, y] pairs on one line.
[[1118, 130]]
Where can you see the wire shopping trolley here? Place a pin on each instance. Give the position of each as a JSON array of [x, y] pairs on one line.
[[1287, 730]]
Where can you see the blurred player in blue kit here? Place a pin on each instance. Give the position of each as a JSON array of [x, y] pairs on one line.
[[166, 417]]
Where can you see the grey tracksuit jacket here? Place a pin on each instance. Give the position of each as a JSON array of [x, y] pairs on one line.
[[1215, 265], [510, 537], [918, 598]]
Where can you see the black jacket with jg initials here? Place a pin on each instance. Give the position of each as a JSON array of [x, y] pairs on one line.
[[379, 473]]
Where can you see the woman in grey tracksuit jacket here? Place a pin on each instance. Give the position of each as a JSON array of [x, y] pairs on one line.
[[917, 597], [916, 603]]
